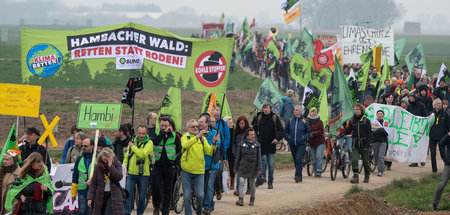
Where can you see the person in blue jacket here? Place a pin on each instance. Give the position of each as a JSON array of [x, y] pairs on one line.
[[296, 133], [69, 143]]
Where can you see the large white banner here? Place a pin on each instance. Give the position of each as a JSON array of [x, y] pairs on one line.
[[62, 181], [357, 40], [408, 139]]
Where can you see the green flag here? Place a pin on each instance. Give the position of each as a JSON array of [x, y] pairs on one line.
[[171, 105], [11, 143], [342, 101], [415, 57], [385, 75], [287, 48], [219, 98], [301, 69], [245, 28], [362, 75], [221, 18], [306, 46], [273, 54], [367, 56], [399, 45], [321, 78], [287, 4], [218, 33], [316, 97], [249, 45], [268, 92]]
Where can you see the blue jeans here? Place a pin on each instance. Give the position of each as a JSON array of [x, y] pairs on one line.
[[141, 182], [83, 208], [317, 157], [267, 159], [208, 202], [297, 154], [284, 83], [346, 143], [188, 181]]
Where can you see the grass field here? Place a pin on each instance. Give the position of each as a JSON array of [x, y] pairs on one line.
[[410, 193]]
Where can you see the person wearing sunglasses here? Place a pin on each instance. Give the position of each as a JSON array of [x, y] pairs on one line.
[[77, 149], [80, 182]]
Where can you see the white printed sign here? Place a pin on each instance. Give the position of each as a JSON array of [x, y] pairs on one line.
[[357, 40]]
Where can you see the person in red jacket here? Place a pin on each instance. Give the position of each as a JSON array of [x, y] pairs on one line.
[[316, 140]]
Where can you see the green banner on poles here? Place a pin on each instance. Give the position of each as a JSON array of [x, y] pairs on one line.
[[171, 105], [101, 116], [81, 56]]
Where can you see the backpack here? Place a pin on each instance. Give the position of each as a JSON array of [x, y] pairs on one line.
[[274, 117], [287, 111]]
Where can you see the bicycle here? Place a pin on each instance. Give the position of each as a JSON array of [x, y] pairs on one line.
[[328, 151], [307, 161], [340, 160], [178, 198], [371, 159]]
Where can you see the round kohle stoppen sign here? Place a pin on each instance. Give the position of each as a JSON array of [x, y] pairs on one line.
[[322, 59], [210, 68]]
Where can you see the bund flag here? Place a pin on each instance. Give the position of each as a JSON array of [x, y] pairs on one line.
[[323, 60]]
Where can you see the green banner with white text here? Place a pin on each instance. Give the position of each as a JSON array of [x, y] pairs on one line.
[[105, 53]]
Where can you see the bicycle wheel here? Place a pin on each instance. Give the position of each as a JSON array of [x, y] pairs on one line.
[[346, 163], [325, 160], [308, 162], [148, 192], [334, 165], [194, 201], [177, 197]]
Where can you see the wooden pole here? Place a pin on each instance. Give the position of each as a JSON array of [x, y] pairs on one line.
[[91, 173]]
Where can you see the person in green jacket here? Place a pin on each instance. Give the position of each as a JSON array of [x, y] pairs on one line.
[[137, 161], [194, 146]]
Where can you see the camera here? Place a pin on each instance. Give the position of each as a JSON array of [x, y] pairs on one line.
[[140, 163]]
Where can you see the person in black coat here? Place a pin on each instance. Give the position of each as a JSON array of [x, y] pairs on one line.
[[30, 145], [362, 137], [269, 131], [439, 129], [416, 107], [425, 98]]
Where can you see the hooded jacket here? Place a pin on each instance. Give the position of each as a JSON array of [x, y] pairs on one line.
[[297, 131]]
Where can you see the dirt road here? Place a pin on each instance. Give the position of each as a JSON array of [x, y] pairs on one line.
[[290, 196]]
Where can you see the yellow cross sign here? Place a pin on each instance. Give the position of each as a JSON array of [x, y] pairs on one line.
[[48, 130]]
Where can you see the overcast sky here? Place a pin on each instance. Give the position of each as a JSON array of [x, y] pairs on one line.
[[251, 8], [433, 13]]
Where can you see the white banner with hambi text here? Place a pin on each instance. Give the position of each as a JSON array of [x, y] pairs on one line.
[[408, 139], [357, 40]]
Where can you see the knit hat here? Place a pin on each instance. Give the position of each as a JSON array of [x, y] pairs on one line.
[[102, 142], [312, 109]]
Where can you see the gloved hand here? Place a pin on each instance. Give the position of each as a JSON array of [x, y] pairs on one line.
[[74, 190]]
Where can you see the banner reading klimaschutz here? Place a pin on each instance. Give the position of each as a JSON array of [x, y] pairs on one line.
[[193, 64]]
